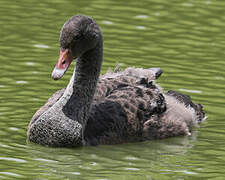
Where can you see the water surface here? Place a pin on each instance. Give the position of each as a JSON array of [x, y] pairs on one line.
[[185, 38]]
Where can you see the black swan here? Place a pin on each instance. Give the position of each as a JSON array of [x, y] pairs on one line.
[[121, 106]]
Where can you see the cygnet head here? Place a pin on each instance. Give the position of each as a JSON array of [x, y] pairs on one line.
[[78, 35]]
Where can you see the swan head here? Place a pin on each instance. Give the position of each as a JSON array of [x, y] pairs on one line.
[[78, 35]]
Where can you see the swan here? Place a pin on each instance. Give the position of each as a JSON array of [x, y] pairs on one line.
[[120, 106]]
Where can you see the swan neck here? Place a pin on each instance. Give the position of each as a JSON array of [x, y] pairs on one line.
[[86, 74]]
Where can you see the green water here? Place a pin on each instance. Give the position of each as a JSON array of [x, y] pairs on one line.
[[186, 38]]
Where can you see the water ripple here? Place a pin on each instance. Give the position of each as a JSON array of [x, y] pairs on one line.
[[41, 46], [10, 174], [13, 159]]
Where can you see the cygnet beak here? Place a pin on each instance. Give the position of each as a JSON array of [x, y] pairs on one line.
[[65, 59]]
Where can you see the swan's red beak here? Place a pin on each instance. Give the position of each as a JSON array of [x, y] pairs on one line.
[[65, 59]]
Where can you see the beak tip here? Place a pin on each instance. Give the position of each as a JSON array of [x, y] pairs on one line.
[[54, 78], [57, 73]]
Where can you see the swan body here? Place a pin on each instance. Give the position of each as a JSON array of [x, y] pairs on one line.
[[120, 106]]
